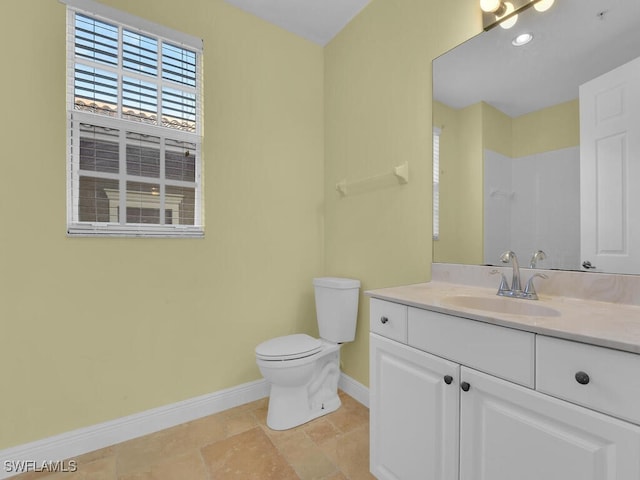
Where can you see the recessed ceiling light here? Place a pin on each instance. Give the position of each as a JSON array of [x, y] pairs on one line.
[[522, 39]]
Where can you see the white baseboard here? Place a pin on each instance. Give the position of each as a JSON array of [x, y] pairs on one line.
[[84, 440], [354, 389]]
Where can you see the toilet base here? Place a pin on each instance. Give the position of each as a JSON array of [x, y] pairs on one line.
[[289, 408]]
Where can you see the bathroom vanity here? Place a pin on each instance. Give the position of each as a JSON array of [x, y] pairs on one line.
[[466, 385]]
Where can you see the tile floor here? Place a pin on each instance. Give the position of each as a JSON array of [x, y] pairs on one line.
[[237, 445]]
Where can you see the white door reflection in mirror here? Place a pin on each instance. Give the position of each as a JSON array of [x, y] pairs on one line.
[[610, 170]]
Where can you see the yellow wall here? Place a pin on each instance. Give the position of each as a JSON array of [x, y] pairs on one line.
[[546, 130], [496, 130], [461, 187], [96, 329], [378, 115]]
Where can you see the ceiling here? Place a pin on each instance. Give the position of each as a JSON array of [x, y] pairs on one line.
[[316, 20], [575, 41]]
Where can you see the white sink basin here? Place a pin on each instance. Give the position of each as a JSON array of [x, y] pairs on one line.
[[511, 306]]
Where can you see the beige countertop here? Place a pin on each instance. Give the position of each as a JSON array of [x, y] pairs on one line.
[[612, 325]]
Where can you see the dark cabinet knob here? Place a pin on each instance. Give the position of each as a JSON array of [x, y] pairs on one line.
[[384, 320], [582, 378], [465, 386], [448, 379]]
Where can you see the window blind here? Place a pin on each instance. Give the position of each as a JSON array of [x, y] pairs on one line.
[[129, 75], [436, 183]]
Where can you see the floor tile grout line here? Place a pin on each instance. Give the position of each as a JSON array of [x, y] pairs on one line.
[[207, 470]]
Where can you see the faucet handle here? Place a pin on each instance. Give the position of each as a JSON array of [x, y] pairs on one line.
[[504, 286], [529, 289]]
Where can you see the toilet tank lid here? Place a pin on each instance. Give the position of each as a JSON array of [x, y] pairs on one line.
[[335, 282], [295, 345]]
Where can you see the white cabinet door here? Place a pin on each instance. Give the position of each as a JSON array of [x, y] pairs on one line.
[[610, 170], [414, 413], [509, 432]]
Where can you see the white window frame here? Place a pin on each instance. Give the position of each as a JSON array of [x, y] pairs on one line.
[[165, 202]]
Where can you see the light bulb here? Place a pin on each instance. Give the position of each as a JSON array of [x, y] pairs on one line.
[[490, 5], [543, 5], [510, 22]]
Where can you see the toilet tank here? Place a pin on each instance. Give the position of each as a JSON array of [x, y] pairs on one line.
[[337, 308]]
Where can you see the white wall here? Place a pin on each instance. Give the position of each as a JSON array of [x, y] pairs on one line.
[[498, 203], [544, 209]]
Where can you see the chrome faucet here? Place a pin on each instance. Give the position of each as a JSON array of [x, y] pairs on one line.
[[537, 255], [507, 257], [515, 291]]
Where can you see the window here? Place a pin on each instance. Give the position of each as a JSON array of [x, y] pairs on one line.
[[436, 183], [134, 126]]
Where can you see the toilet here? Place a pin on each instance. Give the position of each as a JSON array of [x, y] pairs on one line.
[[303, 371]]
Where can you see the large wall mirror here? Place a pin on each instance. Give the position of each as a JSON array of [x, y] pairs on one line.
[[508, 123]]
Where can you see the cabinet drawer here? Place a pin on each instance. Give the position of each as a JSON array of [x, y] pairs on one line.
[[388, 319], [611, 384], [500, 351]]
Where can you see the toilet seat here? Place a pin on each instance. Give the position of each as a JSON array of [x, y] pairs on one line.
[[288, 347]]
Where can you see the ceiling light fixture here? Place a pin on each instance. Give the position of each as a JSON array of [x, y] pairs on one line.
[[493, 6], [510, 18], [505, 14], [522, 39]]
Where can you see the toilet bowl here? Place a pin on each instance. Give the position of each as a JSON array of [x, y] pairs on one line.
[[303, 387], [303, 371]]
